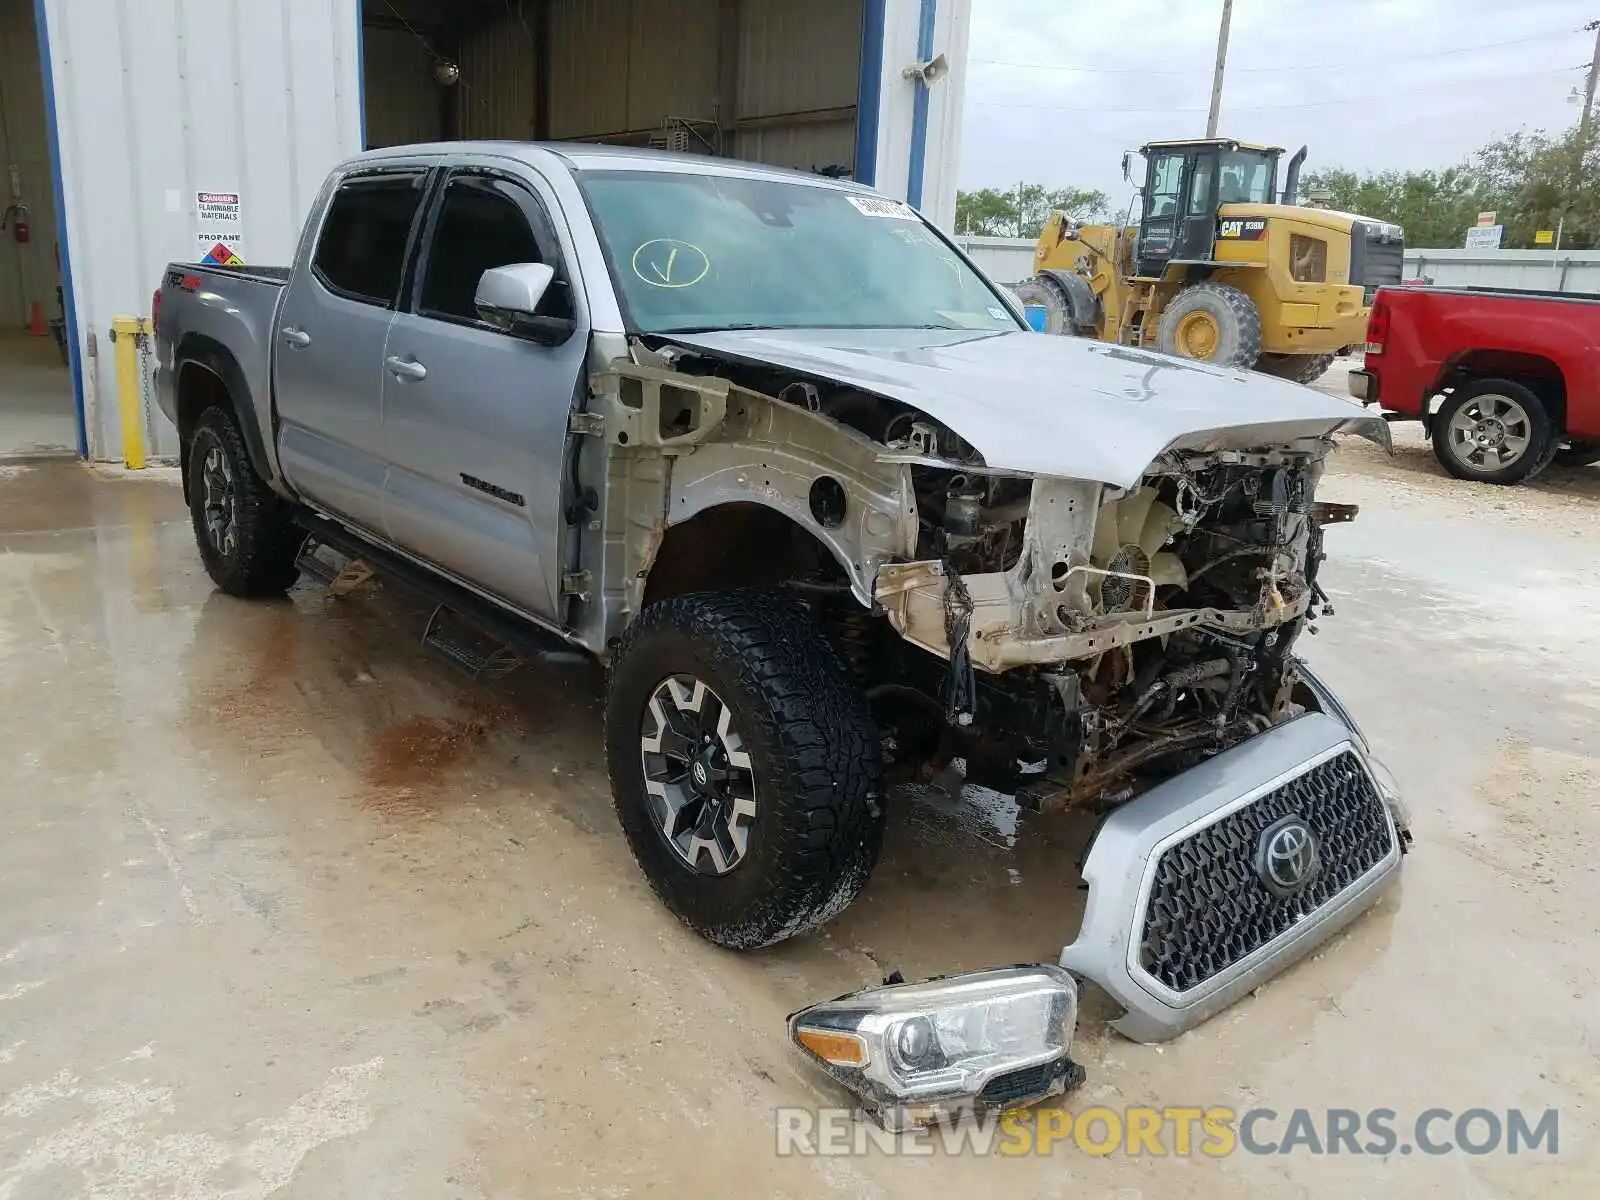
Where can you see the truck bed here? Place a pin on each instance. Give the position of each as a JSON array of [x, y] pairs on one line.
[[277, 276]]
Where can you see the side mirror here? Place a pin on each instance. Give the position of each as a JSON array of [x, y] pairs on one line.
[[508, 297], [1127, 163]]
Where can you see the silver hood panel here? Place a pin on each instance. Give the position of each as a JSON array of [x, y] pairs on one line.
[[1058, 406]]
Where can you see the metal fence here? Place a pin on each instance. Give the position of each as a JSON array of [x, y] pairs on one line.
[[1525, 270], [1010, 260]]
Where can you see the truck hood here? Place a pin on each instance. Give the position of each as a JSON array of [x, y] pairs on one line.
[[1059, 406]]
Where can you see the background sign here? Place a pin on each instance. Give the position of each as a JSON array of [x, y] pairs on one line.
[[220, 232]]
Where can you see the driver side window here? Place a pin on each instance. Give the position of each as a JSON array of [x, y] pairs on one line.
[[1166, 180], [482, 224]]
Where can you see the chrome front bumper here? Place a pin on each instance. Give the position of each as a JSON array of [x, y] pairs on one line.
[[1186, 857]]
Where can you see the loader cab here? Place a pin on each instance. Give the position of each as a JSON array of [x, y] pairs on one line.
[[1185, 184]]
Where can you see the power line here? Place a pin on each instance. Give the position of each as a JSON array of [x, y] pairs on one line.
[[1239, 108], [1371, 62]]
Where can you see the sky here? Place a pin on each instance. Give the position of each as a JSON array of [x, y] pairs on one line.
[[1058, 89]]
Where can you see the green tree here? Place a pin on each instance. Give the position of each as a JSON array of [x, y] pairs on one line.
[[1530, 180], [1022, 211], [986, 213]]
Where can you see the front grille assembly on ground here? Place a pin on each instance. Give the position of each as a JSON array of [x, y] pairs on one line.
[[1209, 908], [1214, 881]]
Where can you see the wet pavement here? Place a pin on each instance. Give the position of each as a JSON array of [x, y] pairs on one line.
[[288, 907]]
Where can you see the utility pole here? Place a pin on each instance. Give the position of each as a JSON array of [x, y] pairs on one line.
[[1584, 120], [1588, 95], [1222, 61]]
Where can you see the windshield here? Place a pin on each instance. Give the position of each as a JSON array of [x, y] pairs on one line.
[[1247, 177], [703, 252]]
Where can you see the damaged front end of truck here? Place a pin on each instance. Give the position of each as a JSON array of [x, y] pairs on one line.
[[1095, 607]]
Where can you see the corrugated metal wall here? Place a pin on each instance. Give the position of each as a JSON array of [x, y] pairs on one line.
[[799, 72], [158, 99], [27, 272], [402, 98], [1530, 270], [1002, 259], [620, 68], [499, 88]]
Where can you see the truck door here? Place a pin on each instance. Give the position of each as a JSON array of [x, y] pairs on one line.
[[1163, 210], [1197, 231], [475, 417], [327, 365]]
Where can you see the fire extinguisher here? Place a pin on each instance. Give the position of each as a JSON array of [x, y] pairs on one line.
[[17, 216]]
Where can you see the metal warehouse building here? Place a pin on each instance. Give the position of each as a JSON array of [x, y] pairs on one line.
[[134, 132]]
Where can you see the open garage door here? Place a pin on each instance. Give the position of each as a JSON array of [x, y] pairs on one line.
[[774, 81]]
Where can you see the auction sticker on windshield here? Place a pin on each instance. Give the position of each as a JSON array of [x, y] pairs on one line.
[[874, 206]]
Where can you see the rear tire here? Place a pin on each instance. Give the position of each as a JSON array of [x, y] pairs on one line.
[[792, 823], [1493, 431], [246, 534], [1214, 323], [1301, 368], [1579, 454]]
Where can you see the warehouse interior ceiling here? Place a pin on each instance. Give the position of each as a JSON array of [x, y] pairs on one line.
[[37, 412], [772, 81]]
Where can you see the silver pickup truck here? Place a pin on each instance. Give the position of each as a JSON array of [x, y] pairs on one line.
[[771, 447]]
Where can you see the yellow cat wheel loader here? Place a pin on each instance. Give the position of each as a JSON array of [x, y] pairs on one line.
[[1221, 266]]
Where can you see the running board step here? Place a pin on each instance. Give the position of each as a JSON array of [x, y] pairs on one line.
[[341, 573], [463, 645], [464, 628]]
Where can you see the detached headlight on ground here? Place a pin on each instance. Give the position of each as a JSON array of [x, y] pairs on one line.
[[914, 1052]]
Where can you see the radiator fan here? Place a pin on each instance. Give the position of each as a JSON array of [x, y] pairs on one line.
[[1128, 536]]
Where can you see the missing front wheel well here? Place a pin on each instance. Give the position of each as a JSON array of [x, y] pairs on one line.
[[737, 546]]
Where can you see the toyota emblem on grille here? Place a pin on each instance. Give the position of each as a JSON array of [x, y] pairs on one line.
[[1287, 856]]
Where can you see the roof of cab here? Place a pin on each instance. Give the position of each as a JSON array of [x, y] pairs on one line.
[[592, 156], [1224, 143]]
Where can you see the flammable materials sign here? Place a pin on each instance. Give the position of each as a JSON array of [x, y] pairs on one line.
[[221, 228]]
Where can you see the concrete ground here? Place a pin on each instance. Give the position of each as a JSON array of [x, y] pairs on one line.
[[37, 416], [287, 908]]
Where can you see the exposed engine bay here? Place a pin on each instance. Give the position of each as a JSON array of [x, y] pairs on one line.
[[1170, 609], [1068, 641]]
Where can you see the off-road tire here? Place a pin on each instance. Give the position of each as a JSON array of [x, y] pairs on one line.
[[1300, 368], [261, 560], [1579, 454], [1544, 441], [818, 826], [1050, 294], [1238, 323]]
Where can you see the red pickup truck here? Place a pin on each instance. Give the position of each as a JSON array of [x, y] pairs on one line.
[[1504, 382]]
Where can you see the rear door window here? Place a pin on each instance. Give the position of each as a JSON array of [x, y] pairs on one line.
[[361, 251]]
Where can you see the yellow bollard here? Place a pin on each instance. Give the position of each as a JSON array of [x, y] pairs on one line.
[[125, 332]]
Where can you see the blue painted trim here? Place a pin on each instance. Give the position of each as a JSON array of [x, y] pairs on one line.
[[361, 75], [869, 90], [41, 26], [919, 106]]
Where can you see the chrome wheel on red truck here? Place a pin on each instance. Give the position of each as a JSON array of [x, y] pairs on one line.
[[1493, 431]]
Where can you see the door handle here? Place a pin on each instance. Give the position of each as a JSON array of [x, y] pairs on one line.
[[298, 338], [405, 368]]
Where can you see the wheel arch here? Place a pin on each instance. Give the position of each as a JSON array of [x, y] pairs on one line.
[[737, 544], [1539, 374], [206, 374]]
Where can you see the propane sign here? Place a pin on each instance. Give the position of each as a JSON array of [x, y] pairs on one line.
[[221, 229]]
